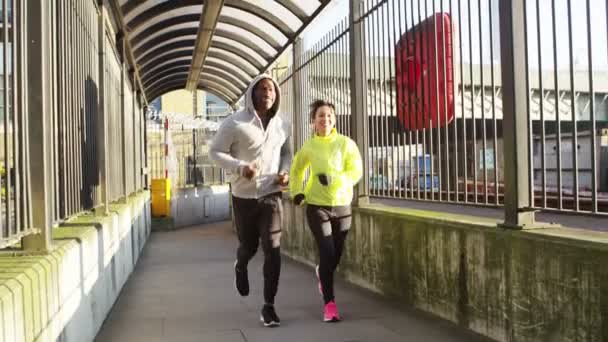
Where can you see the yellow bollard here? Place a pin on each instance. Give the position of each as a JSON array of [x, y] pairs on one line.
[[161, 197]]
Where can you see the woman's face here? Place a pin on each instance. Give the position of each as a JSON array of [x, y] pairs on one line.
[[324, 120]]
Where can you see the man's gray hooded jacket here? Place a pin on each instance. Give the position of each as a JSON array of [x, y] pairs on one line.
[[241, 139]]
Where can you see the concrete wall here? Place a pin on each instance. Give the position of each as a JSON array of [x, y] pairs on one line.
[[67, 294], [540, 285], [190, 206]]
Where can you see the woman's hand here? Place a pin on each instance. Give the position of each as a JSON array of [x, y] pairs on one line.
[[298, 199]]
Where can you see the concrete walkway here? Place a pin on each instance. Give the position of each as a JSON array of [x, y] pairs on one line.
[[182, 290]]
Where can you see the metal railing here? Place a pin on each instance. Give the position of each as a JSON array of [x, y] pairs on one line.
[[187, 161], [15, 192], [72, 123], [434, 100]]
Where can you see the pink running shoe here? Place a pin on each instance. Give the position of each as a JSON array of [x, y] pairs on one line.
[[331, 313], [319, 279]]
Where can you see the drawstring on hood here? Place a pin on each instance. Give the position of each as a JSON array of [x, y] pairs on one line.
[[249, 95]]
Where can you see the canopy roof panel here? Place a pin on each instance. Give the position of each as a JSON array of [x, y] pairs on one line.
[[216, 45]]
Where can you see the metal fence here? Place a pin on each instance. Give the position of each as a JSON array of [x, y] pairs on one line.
[[72, 119], [15, 195], [434, 99], [182, 155]]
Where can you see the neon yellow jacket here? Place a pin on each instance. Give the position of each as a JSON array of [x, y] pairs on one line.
[[335, 155]]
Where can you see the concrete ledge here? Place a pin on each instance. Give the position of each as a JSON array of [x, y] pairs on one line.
[[67, 294], [539, 285]]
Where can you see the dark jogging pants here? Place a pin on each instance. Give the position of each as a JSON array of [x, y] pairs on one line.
[[329, 226], [260, 220]]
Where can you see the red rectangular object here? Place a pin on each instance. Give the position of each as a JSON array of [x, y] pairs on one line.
[[424, 82]]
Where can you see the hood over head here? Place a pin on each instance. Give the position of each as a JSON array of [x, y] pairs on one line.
[[249, 95]]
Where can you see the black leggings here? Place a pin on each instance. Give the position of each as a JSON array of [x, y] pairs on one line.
[[329, 226], [255, 220]]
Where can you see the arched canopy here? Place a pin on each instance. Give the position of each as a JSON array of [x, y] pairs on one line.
[[172, 47]]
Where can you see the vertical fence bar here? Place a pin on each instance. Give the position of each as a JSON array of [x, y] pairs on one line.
[[593, 132], [573, 111], [358, 93], [5, 202], [483, 110], [463, 116], [541, 99], [16, 142], [494, 122], [445, 107], [473, 118], [40, 110], [102, 117], [513, 55], [557, 113], [298, 115]]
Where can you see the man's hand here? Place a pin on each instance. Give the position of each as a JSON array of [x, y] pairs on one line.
[[283, 178], [249, 171], [298, 199]]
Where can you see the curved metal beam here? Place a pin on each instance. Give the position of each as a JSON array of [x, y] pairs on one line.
[[242, 75], [293, 8], [238, 38], [182, 77], [251, 28], [166, 72], [131, 5], [218, 89], [159, 9], [222, 33], [217, 93], [221, 81], [238, 52], [211, 90], [161, 25], [156, 41], [159, 67], [224, 74], [243, 64], [179, 84], [177, 45], [165, 57], [181, 80], [262, 13], [233, 70]]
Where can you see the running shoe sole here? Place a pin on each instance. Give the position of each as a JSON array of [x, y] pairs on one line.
[[269, 324]]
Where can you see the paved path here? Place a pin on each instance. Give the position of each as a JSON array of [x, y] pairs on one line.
[[182, 290]]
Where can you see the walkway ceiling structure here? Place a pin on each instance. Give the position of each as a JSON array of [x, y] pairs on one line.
[[215, 45]]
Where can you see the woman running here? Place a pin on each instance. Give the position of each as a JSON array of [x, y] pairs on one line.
[[335, 167]]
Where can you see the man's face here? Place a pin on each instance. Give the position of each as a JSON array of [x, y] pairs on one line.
[[263, 95]]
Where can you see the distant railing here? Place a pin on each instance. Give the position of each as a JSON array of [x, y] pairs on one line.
[[186, 161]]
